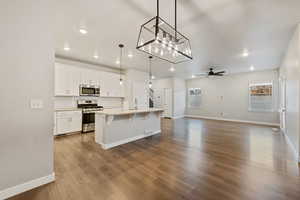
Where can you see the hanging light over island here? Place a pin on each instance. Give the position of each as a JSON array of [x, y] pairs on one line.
[[160, 39], [150, 71], [121, 46]]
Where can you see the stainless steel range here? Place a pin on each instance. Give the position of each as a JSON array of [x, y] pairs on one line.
[[89, 107]]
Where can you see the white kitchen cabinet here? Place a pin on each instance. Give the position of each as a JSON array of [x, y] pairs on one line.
[[76, 124], [110, 85], [104, 84], [90, 77], [66, 80], [75, 80], [68, 122]]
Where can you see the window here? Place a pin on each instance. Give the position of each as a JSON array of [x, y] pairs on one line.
[[261, 97], [194, 97]]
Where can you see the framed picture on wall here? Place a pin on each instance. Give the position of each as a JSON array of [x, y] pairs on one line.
[[194, 97], [261, 97]]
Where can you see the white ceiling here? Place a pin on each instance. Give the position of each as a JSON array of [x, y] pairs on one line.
[[219, 30]]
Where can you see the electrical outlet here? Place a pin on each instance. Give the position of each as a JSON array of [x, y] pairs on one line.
[[36, 104]]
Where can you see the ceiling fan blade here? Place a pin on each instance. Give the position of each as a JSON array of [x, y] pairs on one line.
[[217, 74], [221, 72], [201, 74]]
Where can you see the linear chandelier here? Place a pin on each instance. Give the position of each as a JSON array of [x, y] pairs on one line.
[[160, 39]]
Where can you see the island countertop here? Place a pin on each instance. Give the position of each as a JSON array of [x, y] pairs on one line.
[[127, 112]]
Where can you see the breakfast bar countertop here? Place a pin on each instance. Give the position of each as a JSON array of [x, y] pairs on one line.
[[127, 112]]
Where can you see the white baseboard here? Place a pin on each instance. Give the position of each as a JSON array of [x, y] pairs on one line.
[[12, 191], [233, 120], [178, 117], [114, 144], [295, 152]]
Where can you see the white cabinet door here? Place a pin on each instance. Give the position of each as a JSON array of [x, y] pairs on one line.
[[62, 80], [67, 79], [68, 122], [115, 87], [85, 76], [63, 125], [110, 85], [90, 77], [94, 77], [76, 124], [74, 74], [104, 84]]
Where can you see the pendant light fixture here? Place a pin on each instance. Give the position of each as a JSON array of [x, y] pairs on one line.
[[150, 71], [121, 46], [160, 39]]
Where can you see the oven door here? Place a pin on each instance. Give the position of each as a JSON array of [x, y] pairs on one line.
[[88, 122]]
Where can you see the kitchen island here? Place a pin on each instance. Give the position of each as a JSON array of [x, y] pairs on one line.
[[114, 127]]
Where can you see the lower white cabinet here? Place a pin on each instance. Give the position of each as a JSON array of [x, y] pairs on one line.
[[68, 122]]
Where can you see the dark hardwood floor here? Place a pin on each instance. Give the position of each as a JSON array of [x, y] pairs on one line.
[[191, 159]]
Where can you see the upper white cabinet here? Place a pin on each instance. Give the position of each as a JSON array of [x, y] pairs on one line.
[[110, 85], [89, 76], [68, 78]]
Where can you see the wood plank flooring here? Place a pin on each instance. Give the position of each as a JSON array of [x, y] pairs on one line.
[[191, 159]]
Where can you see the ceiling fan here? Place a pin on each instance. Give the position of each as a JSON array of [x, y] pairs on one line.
[[211, 72]]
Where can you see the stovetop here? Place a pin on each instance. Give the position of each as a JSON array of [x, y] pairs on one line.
[[89, 105]]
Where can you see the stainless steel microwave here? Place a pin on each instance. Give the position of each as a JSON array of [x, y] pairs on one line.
[[89, 90]]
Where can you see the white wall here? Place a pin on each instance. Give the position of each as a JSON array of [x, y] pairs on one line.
[[163, 83], [290, 71], [27, 72], [179, 97], [178, 87], [227, 97]]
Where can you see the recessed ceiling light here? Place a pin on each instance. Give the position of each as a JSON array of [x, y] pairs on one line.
[[117, 62], [152, 77], [67, 47], [83, 31], [96, 56], [130, 55], [172, 69], [245, 53], [193, 76], [252, 68]]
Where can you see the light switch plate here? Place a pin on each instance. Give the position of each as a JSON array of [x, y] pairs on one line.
[[36, 104]]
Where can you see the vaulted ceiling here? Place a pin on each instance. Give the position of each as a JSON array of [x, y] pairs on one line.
[[219, 31]]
